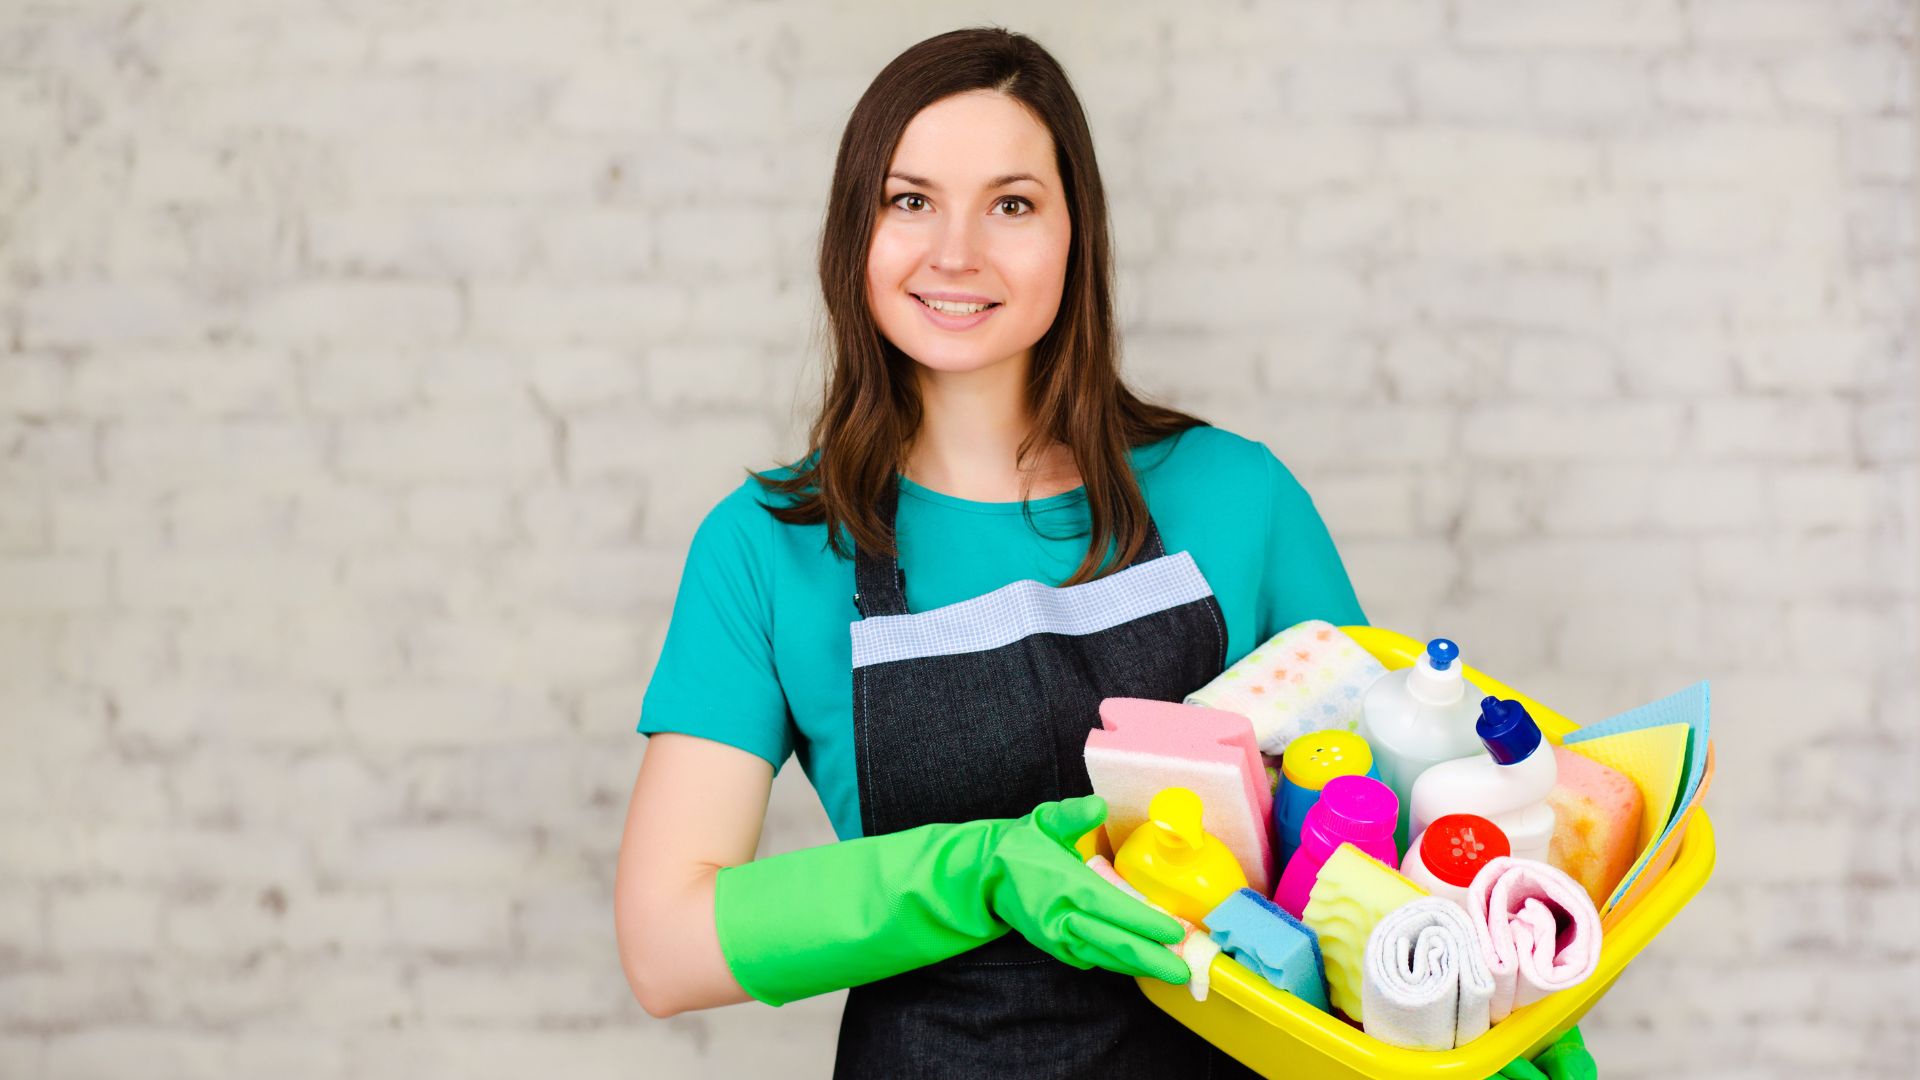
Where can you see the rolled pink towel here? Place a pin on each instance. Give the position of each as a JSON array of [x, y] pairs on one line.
[[1538, 928]]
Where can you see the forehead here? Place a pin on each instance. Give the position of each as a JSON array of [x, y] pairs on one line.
[[968, 138]]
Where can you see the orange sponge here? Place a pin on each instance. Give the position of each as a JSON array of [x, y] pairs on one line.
[[1596, 823]]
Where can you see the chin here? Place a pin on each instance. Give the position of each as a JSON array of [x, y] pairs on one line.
[[945, 357]]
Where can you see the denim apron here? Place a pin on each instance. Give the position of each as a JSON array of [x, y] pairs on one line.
[[981, 709]]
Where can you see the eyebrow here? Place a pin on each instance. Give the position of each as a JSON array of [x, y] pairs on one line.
[[996, 182]]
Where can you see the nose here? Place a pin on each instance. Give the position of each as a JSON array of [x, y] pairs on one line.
[[956, 249]]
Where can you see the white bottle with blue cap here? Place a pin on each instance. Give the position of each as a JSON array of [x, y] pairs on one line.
[[1507, 783], [1414, 718]]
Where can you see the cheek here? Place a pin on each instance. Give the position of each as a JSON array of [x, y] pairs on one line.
[[883, 280], [890, 260], [1036, 267]]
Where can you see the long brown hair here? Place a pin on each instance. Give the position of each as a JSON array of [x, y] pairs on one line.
[[871, 408]]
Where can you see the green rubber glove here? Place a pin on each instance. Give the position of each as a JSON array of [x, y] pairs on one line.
[[844, 914], [1566, 1059]]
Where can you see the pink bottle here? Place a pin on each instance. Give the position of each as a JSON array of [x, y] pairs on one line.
[[1357, 810]]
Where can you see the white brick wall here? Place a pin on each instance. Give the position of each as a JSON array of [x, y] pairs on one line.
[[364, 370]]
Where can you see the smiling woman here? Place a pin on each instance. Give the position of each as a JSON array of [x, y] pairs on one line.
[[966, 176], [929, 605]]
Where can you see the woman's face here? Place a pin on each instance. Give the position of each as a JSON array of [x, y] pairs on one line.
[[969, 256]]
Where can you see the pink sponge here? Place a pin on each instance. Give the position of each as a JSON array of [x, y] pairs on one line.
[[1596, 823], [1145, 746]]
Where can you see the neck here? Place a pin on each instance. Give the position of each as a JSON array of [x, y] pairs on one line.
[[971, 425]]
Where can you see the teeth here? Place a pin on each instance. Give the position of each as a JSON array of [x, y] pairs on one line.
[[948, 307]]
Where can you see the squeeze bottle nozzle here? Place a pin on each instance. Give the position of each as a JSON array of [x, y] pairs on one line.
[[1178, 813], [1508, 731], [1436, 678]]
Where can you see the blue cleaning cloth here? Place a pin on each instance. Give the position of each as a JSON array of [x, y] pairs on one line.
[[1260, 934], [1691, 707]]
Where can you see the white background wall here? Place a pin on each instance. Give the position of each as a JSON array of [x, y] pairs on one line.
[[368, 363]]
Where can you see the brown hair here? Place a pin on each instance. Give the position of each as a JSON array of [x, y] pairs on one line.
[[871, 406]]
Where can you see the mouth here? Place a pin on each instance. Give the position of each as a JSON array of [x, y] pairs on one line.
[[954, 308]]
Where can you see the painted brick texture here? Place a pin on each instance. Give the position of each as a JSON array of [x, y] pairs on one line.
[[365, 368]]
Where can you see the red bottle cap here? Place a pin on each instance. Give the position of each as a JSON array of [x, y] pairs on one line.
[[1456, 846]]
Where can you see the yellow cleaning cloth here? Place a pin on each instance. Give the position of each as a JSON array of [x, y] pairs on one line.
[[1353, 892], [1655, 759], [1632, 888]]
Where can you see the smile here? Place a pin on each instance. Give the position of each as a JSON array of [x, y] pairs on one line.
[[953, 307], [954, 315]]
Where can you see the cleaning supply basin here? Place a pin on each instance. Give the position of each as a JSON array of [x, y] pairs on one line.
[[1278, 1035]]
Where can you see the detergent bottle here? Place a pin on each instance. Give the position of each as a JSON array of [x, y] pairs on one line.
[[1357, 810], [1414, 718], [1507, 783], [1450, 852], [1175, 862]]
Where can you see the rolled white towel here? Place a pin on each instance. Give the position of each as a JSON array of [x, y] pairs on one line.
[[1425, 984]]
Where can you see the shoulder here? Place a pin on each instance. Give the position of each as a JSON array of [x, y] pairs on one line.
[[740, 510], [741, 528], [739, 524], [1216, 457], [747, 503]]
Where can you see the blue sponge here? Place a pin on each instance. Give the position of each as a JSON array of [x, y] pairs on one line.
[[1257, 932]]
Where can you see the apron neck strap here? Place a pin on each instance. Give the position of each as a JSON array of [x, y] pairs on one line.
[[880, 586]]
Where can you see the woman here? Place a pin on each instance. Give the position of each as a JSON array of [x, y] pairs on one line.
[[988, 535]]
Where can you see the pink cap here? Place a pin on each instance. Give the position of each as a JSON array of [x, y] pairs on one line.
[[1356, 808]]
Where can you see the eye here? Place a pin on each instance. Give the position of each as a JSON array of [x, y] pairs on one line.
[[1021, 207], [918, 202]]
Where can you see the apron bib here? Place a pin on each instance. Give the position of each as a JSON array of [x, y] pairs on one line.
[[981, 709]]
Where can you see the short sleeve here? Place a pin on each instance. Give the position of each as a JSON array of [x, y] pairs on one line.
[[1303, 577], [716, 676]]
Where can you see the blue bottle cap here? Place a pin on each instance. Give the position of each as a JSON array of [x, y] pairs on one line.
[[1509, 733], [1441, 653]]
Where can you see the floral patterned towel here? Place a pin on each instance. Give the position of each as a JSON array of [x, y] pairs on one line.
[[1309, 677]]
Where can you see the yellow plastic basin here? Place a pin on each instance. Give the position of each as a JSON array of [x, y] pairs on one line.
[[1279, 1036]]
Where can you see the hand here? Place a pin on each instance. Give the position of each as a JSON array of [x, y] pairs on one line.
[[843, 914], [1040, 886]]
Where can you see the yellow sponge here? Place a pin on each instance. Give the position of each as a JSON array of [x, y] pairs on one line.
[[1353, 892]]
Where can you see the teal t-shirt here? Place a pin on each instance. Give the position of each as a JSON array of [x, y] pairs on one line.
[[758, 654]]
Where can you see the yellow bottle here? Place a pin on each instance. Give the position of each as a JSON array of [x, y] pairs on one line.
[[1177, 863]]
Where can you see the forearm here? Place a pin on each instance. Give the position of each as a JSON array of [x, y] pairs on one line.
[[669, 949], [841, 915], [849, 913]]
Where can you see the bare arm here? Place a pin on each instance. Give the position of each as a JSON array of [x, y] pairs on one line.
[[697, 806]]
